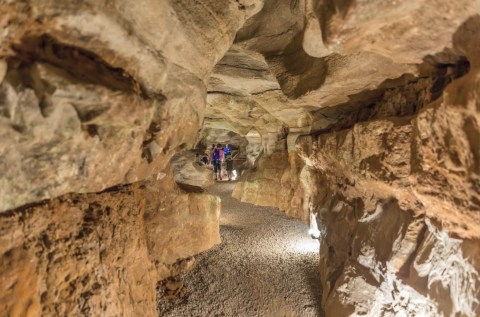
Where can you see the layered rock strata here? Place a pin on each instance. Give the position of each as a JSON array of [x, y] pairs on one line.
[[95, 99], [93, 93], [405, 192], [395, 188], [365, 112]]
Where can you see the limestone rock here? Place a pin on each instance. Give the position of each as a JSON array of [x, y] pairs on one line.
[[188, 171], [101, 254], [403, 190], [96, 91], [275, 182]]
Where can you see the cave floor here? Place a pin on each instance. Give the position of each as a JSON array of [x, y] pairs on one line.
[[267, 265]]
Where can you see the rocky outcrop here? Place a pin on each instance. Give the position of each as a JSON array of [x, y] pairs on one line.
[[101, 254], [95, 92], [364, 112], [95, 99], [187, 170], [275, 181], [404, 192], [393, 179]]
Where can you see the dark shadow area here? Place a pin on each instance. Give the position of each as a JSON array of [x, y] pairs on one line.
[[83, 65], [296, 71], [326, 9], [190, 188], [417, 92]]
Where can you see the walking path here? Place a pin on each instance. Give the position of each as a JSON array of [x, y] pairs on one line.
[[266, 266]]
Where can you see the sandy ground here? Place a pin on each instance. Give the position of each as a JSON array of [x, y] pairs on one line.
[[266, 266]]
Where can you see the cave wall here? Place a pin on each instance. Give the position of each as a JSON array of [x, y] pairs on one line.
[[101, 254], [275, 181], [397, 202], [92, 95], [365, 112], [394, 184], [405, 192]]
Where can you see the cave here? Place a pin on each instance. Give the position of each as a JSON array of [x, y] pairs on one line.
[[355, 140]]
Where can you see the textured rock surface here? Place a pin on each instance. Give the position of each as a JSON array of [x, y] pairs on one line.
[[380, 97], [243, 94], [275, 181], [187, 171], [100, 254], [403, 190], [96, 91], [210, 136], [394, 181]]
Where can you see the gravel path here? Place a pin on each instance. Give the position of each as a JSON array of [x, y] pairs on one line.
[[266, 266]]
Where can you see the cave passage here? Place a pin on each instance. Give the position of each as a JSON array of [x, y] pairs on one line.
[[360, 116], [266, 265]]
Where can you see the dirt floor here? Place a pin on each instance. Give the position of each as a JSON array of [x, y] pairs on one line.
[[266, 266]]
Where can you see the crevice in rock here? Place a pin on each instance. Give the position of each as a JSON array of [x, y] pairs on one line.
[[327, 10], [296, 71], [404, 271], [83, 65], [401, 97]]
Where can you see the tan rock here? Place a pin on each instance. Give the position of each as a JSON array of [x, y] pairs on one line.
[[105, 251], [380, 98], [275, 182], [3, 69], [187, 170], [105, 104]]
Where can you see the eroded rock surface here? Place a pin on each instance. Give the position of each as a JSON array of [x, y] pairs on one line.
[[408, 173], [275, 181], [364, 113], [95, 96], [96, 92], [101, 254], [187, 170], [394, 183]]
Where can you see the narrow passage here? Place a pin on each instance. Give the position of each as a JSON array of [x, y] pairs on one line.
[[267, 266]]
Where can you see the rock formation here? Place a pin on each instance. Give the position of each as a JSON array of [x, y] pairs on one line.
[[187, 170], [365, 112], [101, 254], [95, 100], [390, 168]]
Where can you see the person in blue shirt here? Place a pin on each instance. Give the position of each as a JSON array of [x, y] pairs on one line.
[[216, 158], [227, 150]]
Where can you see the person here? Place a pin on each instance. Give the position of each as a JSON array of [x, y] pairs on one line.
[[204, 160], [227, 150], [210, 156], [217, 158], [229, 161]]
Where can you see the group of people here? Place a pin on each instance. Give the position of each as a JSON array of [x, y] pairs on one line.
[[218, 155]]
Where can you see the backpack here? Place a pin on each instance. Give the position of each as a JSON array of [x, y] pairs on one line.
[[216, 154]]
